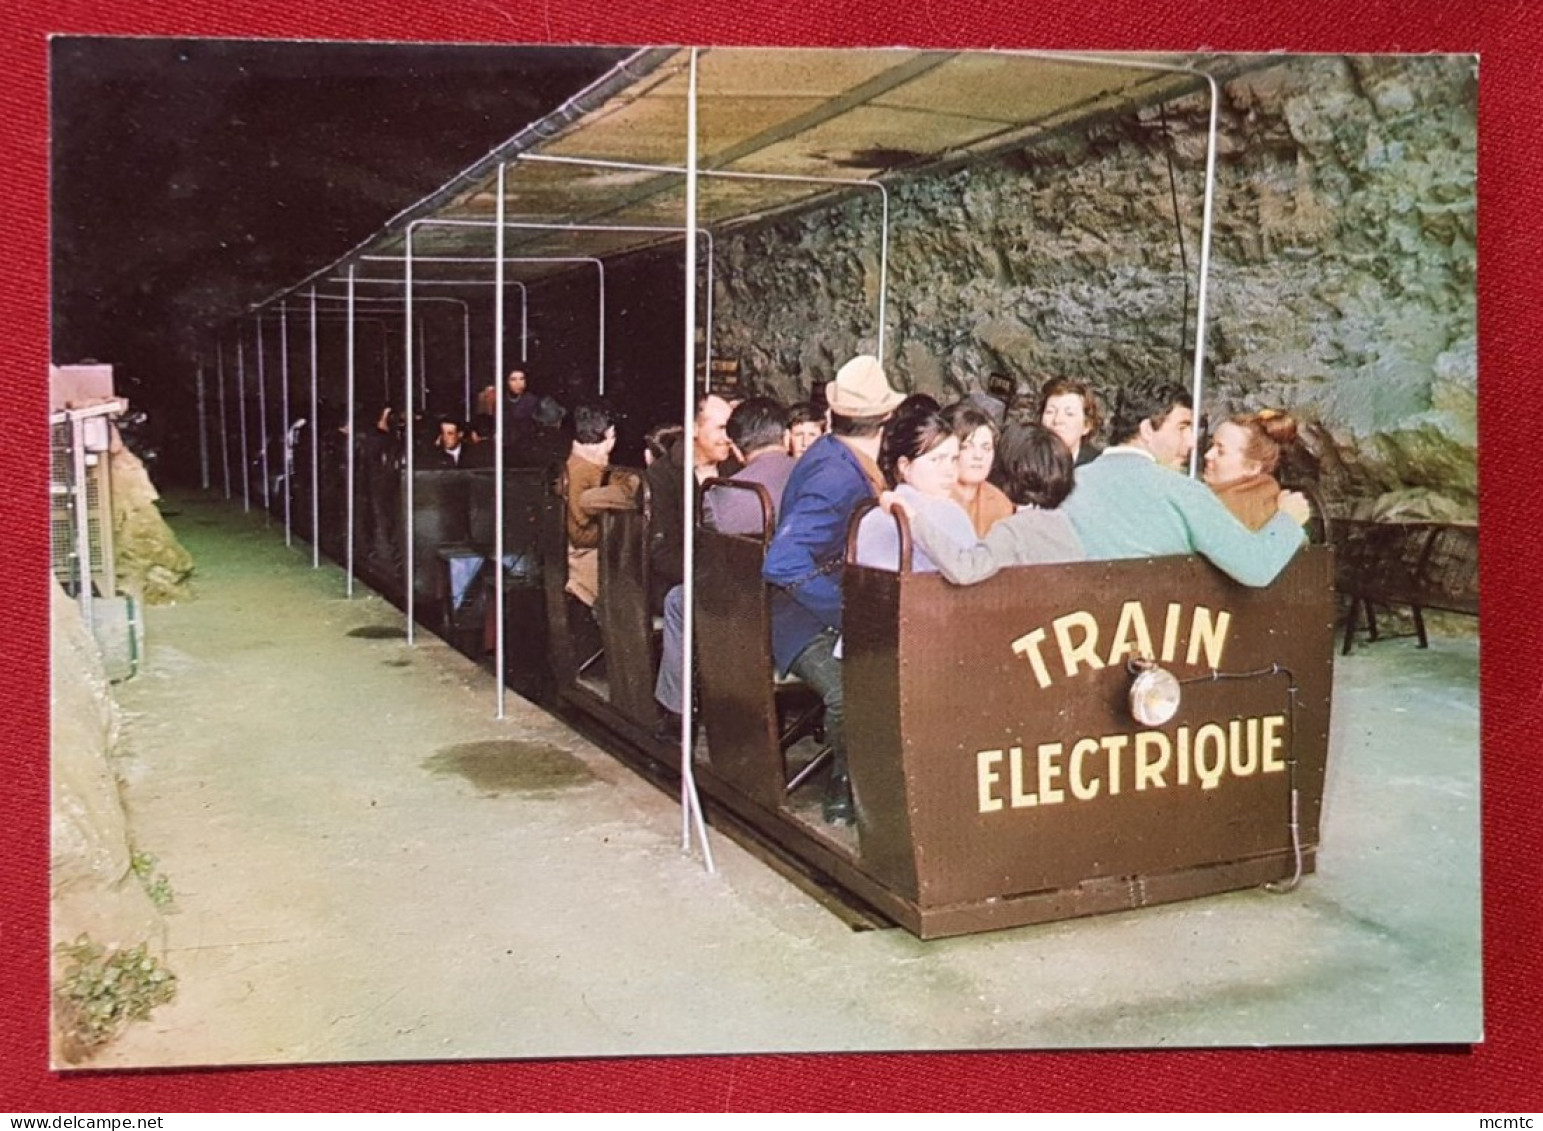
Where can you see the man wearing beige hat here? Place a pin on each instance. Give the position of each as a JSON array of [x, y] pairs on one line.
[[832, 479]]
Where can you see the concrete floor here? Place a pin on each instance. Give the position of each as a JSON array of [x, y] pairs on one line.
[[369, 866]]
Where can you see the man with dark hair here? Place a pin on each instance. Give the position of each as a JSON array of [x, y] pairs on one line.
[[806, 424], [594, 435], [804, 562], [1133, 502], [758, 434], [450, 449]]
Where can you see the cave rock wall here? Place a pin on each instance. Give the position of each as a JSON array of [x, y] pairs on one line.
[[1341, 276]]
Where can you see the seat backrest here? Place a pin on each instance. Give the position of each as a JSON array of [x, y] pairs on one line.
[[440, 518], [1449, 568], [524, 499], [733, 646], [626, 623], [554, 575]]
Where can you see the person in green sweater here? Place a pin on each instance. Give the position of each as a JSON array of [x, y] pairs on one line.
[[1133, 502]]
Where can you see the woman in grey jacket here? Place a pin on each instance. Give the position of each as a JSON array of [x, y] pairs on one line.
[[1036, 474]]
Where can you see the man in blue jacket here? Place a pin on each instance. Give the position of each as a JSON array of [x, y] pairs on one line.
[[804, 562]]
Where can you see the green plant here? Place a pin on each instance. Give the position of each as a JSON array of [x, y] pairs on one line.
[[102, 990], [156, 885]]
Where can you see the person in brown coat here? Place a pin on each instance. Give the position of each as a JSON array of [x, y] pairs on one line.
[[589, 494]]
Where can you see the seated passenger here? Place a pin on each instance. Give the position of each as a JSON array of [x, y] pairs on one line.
[[659, 440], [709, 454], [804, 561], [450, 446], [977, 434], [521, 402], [1241, 461], [920, 461], [1132, 502], [758, 433], [594, 435], [548, 443], [806, 424], [1036, 470], [758, 436], [1070, 410]]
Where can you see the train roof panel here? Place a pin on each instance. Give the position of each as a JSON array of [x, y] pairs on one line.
[[779, 130]]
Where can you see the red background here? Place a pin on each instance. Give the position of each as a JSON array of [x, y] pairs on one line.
[[1498, 1076]]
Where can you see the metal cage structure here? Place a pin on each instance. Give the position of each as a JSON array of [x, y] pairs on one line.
[[626, 166]]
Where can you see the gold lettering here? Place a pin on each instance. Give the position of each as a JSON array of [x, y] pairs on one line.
[[1021, 800], [1132, 620], [1149, 770], [1171, 631], [1184, 755], [1086, 650], [1028, 645], [1114, 743], [986, 776], [1272, 743], [1049, 771], [1208, 634], [1210, 775], [1244, 764], [1081, 790]]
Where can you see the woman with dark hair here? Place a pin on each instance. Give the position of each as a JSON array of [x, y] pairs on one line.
[[977, 435], [1241, 461], [1035, 470], [1070, 410], [919, 456]]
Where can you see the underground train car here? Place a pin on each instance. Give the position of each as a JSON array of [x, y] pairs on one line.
[[1056, 741]]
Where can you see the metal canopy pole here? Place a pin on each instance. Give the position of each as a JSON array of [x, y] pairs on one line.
[[1205, 272], [203, 430], [423, 368], [82, 504], [499, 658], [690, 802], [353, 439], [465, 363], [289, 432], [315, 451], [262, 411], [219, 374], [407, 399], [707, 344], [246, 469]]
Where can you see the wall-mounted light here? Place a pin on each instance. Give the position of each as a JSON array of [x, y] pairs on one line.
[[1154, 693]]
